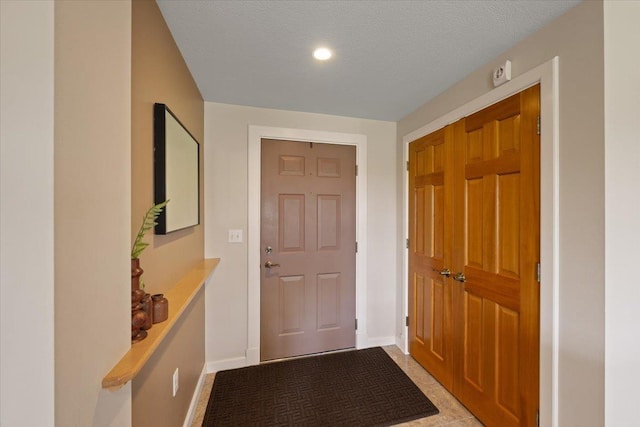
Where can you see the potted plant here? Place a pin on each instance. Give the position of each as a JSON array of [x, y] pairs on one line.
[[148, 222], [140, 318]]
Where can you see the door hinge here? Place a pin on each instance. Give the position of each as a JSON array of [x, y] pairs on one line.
[[538, 272], [538, 418], [356, 324], [356, 247], [407, 243], [407, 165], [406, 321], [356, 170], [538, 129]]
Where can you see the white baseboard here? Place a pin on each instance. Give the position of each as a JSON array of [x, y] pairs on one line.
[[221, 365], [196, 396], [381, 341], [401, 343], [368, 342]]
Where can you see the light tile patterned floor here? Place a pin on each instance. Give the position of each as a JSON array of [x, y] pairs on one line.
[[452, 413]]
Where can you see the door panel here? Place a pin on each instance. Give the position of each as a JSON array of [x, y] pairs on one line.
[[291, 222], [473, 348], [497, 247], [474, 208], [308, 221], [291, 305], [329, 222], [328, 303], [430, 324]]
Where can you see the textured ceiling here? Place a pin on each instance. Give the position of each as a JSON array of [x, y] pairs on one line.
[[390, 57]]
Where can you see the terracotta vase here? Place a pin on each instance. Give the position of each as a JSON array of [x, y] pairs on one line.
[[147, 307], [160, 308], [136, 272], [138, 316]]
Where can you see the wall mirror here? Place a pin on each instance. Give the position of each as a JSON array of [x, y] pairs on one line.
[[176, 172]]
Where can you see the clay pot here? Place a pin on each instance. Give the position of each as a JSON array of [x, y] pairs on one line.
[[147, 307], [160, 308], [136, 296], [138, 317], [136, 272]]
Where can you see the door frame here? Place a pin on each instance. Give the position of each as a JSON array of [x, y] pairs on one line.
[[255, 136], [547, 75]]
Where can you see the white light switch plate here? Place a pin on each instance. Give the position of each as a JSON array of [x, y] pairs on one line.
[[235, 236]]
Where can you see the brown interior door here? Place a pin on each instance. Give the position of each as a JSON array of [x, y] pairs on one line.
[[430, 244], [494, 297], [308, 211], [497, 235]]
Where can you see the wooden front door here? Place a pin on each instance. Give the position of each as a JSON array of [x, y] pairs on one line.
[[494, 289], [308, 236]]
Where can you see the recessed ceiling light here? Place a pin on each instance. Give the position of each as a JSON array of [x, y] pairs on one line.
[[322, 54]]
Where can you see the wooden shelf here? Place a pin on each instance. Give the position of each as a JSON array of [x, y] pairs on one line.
[[179, 298]]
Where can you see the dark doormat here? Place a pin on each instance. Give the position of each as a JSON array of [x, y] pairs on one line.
[[353, 388]]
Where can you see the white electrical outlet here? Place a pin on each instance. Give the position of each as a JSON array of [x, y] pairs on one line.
[[235, 236], [176, 382]]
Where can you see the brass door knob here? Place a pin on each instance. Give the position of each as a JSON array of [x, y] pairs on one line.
[[444, 272], [459, 277]]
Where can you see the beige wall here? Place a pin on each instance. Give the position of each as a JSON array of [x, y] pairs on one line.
[[577, 38], [226, 208], [159, 74], [92, 209], [183, 348], [622, 175], [26, 212]]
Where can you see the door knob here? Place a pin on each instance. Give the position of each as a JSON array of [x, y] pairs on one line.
[[269, 264], [444, 272], [459, 277]]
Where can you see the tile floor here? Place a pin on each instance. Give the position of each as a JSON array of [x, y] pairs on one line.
[[452, 413]]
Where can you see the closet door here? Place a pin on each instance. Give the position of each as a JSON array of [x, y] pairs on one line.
[[496, 241], [430, 244], [474, 199]]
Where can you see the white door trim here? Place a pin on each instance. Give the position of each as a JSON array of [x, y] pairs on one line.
[[256, 134], [547, 75]]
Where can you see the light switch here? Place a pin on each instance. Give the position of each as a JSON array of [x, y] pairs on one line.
[[235, 236]]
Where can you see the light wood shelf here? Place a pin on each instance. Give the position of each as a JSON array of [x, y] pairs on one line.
[[179, 298]]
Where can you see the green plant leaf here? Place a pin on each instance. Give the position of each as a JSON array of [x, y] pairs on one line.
[[148, 222]]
